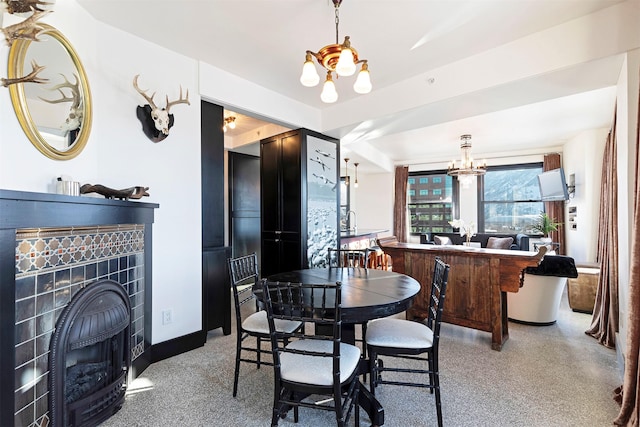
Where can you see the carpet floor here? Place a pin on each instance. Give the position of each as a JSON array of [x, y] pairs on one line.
[[544, 376]]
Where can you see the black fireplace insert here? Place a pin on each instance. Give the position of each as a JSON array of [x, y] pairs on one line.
[[90, 356]]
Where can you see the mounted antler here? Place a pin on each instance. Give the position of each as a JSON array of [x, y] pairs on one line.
[[75, 111], [178, 101], [32, 77], [29, 29], [143, 93], [23, 6], [151, 116], [75, 92]]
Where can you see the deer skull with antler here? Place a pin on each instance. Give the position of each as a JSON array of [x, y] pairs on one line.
[[156, 122], [74, 120]]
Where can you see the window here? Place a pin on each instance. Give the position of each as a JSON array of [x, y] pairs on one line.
[[509, 199], [430, 197]]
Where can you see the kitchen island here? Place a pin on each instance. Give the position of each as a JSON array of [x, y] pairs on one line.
[[360, 238], [478, 282]]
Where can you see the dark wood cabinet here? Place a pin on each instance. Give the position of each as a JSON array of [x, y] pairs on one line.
[[286, 186], [216, 288]]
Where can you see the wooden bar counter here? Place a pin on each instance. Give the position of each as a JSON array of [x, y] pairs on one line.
[[478, 282]]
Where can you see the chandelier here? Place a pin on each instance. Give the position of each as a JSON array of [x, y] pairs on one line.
[[229, 123], [467, 168], [339, 58]]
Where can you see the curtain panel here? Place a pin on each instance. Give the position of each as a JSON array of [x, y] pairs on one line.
[[604, 322], [400, 203], [627, 394], [555, 210]]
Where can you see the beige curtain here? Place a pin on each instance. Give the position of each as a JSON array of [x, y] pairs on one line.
[[604, 322], [555, 210], [627, 394], [400, 204]]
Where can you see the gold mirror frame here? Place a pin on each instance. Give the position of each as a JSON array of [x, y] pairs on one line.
[[16, 68]]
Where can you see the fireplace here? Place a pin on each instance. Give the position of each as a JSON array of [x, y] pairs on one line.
[[89, 356], [53, 249]]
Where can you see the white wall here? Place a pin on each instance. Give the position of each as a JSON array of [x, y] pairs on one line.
[[583, 157], [119, 155], [373, 201]]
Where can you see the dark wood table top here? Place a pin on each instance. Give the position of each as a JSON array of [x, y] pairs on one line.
[[366, 293]]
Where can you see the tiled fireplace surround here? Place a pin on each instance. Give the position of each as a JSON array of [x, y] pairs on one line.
[[58, 245]]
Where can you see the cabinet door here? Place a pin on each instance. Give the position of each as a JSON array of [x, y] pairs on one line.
[[270, 184], [216, 289], [291, 195], [270, 261]]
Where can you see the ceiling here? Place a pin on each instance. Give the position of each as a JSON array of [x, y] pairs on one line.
[[406, 42]]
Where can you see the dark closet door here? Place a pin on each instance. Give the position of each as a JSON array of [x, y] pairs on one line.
[[244, 204], [216, 288]]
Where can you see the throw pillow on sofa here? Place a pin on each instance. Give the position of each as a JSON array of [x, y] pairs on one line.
[[442, 240], [499, 242]]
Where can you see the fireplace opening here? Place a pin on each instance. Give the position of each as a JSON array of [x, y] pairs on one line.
[[90, 356]]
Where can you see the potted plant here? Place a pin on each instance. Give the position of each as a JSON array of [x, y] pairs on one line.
[[545, 225]]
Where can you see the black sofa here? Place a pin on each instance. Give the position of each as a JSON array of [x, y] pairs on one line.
[[520, 241]]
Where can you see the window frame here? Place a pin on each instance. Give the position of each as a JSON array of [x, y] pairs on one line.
[[481, 186], [455, 193]]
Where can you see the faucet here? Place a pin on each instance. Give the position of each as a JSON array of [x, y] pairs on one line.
[[355, 226]]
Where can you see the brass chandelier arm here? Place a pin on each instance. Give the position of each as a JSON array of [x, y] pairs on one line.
[[341, 59]]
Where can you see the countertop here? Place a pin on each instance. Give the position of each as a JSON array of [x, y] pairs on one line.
[[361, 232]]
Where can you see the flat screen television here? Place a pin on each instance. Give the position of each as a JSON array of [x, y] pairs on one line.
[[553, 185]]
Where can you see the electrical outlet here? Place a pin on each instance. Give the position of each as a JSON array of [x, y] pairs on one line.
[[167, 317]]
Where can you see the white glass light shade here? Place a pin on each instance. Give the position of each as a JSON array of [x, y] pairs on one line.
[[345, 65], [309, 77], [329, 93], [232, 125], [363, 82]]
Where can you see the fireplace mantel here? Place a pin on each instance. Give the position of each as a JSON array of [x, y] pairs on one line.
[[21, 211]]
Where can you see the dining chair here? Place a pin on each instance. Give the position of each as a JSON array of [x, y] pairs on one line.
[[407, 339], [250, 322], [356, 258], [338, 257], [311, 364]]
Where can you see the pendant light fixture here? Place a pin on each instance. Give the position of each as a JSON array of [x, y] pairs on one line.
[[355, 184], [339, 58], [346, 171], [467, 168], [229, 123]]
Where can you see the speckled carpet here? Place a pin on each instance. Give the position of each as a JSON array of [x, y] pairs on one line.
[[544, 376]]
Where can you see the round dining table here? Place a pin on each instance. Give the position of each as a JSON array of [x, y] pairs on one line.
[[367, 294]]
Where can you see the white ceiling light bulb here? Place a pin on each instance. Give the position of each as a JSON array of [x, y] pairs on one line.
[[329, 93], [346, 65], [309, 77], [363, 82]]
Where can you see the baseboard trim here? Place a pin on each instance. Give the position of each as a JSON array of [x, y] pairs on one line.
[[173, 347]]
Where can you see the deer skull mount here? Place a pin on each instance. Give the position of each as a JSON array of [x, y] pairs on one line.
[[75, 117], [156, 122]]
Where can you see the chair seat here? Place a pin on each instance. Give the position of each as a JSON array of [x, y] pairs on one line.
[[399, 333], [258, 323], [317, 370]]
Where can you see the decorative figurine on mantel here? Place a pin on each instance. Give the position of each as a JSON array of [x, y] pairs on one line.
[[156, 122], [110, 193]]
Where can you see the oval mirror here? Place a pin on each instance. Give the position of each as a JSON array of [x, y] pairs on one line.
[[55, 115]]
